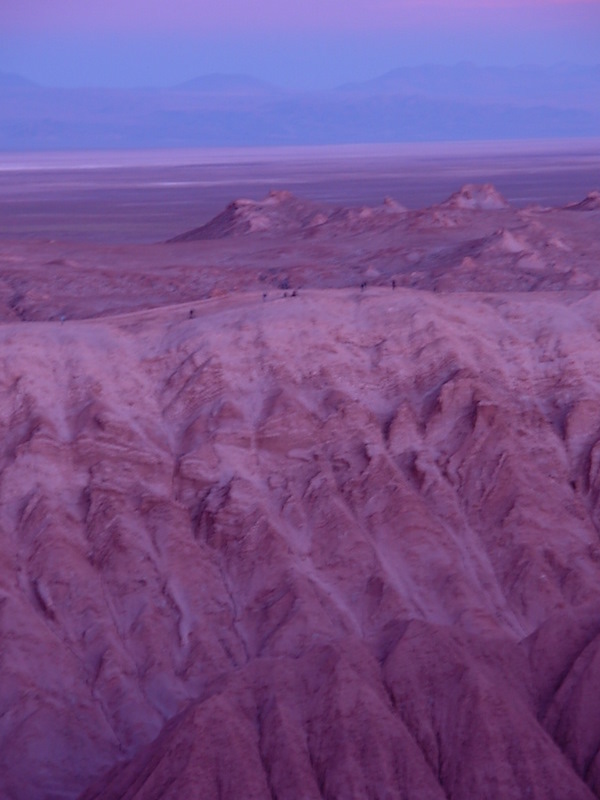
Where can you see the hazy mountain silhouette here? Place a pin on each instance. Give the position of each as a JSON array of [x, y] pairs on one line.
[[226, 83], [564, 85], [429, 103], [12, 80]]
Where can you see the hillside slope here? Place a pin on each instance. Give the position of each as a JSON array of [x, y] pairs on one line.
[[339, 543]]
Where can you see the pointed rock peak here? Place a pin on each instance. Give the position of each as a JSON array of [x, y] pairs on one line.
[[242, 203], [279, 196], [392, 205], [477, 196], [591, 202], [274, 198], [508, 242], [279, 212]]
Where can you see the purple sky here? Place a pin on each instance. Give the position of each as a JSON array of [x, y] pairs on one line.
[[309, 43]]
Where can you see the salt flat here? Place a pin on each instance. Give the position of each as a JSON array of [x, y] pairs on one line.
[[148, 196]]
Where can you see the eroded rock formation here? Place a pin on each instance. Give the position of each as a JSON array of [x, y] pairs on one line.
[[343, 544]]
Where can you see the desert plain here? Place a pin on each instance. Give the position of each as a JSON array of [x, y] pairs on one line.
[[300, 474]]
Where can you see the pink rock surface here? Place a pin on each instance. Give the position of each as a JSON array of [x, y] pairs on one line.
[[341, 545], [483, 197], [590, 203]]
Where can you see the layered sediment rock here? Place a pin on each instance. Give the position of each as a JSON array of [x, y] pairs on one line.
[[329, 543], [345, 542]]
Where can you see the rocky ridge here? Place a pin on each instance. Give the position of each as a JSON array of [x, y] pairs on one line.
[[281, 213], [345, 541], [590, 203]]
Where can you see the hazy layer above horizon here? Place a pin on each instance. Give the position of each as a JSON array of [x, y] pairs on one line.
[[175, 73], [409, 104]]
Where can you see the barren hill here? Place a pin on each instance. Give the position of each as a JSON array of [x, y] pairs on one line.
[[341, 544]]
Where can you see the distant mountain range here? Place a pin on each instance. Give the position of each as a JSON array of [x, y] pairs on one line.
[[562, 84], [427, 103], [8, 80], [227, 84]]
